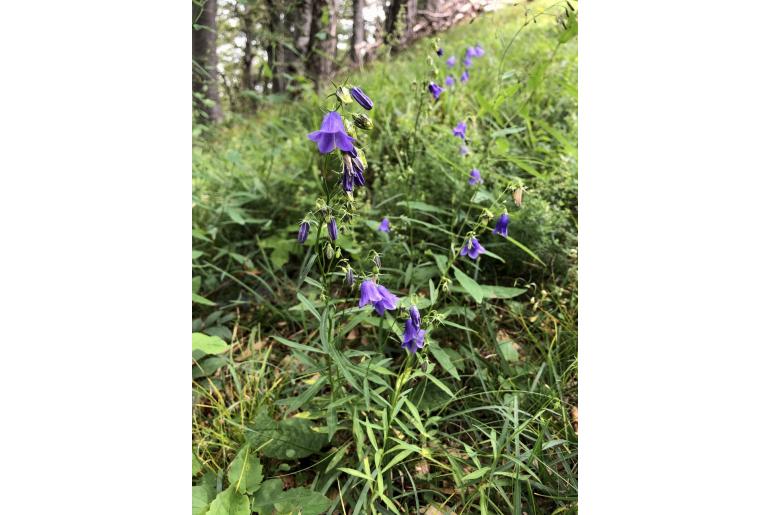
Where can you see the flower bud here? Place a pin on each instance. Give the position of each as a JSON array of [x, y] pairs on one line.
[[338, 252], [518, 195], [343, 94], [377, 261], [329, 251], [362, 121]]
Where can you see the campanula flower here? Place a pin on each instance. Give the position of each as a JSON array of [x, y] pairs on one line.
[[352, 171], [464, 77], [384, 225], [369, 293], [472, 248], [414, 315], [451, 61], [362, 121], [479, 51], [463, 150], [502, 225], [304, 227], [475, 177], [440, 52], [332, 134], [459, 131], [349, 277], [435, 90], [360, 97], [332, 226], [467, 62], [470, 52], [414, 337], [389, 301], [450, 81]]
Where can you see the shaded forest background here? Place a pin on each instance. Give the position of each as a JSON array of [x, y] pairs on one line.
[[248, 53]]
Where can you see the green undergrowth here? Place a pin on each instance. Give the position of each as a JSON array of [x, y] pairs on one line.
[[304, 403]]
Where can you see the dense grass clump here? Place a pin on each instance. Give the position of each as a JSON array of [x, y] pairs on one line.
[[303, 401]]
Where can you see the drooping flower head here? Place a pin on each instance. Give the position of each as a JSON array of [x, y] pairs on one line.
[[470, 52], [475, 177], [451, 61], [389, 301], [332, 227], [435, 90], [472, 248], [502, 225], [352, 171], [459, 131], [349, 277], [479, 51], [450, 81], [440, 52], [463, 150], [332, 134], [304, 227], [384, 225], [467, 62], [360, 97], [414, 315], [369, 293], [414, 337], [464, 77]]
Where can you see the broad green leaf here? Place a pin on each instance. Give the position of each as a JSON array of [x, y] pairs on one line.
[[500, 292], [290, 439], [469, 285], [208, 344], [196, 465], [200, 500], [443, 360], [245, 472], [206, 367], [230, 502], [302, 500], [264, 498], [198, 299]]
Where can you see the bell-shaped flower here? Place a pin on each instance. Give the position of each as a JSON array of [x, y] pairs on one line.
[[384, 225], [332, 227], [464, 77], [459, 131], [435, 90], [451, 61], [472, 248], [414, 337], [369, 293], [475, 177], [502, 225], [449, 81], [332, 134], [389, 301], [414, 315]]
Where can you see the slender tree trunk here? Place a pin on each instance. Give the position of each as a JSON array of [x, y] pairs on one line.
[[322, 51], [276, 50], [411, 18], [391, 16], [247, 79], [204, 49], [358, 33]]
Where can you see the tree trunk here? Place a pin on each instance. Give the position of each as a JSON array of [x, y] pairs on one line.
[[411, 19], [247, 80], [391, 17], [322, 51], [276, 54], [204, 76], [358, 34]]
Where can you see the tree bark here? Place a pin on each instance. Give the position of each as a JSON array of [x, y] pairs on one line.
[[204, 50], [321, 51], [411, 18], [247, 80], [392, 16], [276, 50], [358, 34]]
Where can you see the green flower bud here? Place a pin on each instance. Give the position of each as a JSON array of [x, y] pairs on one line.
[[343, 94], [329, 251], [362, 121]]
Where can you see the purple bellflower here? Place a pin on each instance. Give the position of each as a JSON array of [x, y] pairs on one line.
[[360, 97], [479, 51], [440, 52], [472, 248], [451, 61], [352, 171], [332, 226], [464, 77], [389, 301], [332, 134], [435, 90], [384, 225], [349, 277], [470, 52], [502, 226], [475, 177], [414, 315], [467, 62], [304, 227], [459, 131], [369, 293], [414, 337], [450, 81]]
